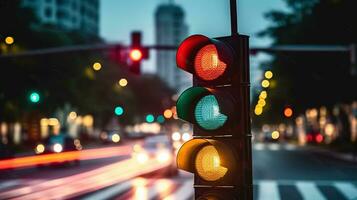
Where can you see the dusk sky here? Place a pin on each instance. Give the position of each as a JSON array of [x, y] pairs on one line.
[[208, 17]]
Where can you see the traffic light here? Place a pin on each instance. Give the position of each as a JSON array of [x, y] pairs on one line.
[[288, 112], [34, 97], [219, 155], [137, 53]]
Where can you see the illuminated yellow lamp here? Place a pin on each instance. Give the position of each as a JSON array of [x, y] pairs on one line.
[[265, 83], [275, 135], [97, 66], [268, 74], [115, 138], [208, 164], [168, 113], [263, 94], [9, 40], [123, 82], [258, 110], [261, 103]]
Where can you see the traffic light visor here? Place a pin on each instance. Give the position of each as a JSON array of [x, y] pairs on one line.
[[208, 108], [211, 159], [204, 57], [187, 100]]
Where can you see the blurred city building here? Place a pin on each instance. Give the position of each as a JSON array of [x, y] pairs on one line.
[[171, 30], [67, 14]]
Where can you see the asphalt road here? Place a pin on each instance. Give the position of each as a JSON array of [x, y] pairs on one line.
[[280, 172]]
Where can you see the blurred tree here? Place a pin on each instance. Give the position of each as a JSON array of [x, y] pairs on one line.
[[306, 80]]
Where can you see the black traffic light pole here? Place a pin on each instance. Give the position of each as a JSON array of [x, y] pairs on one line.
[[234, 21], [243, 91]]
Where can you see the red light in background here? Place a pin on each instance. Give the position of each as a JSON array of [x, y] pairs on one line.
[[319, 138], [288, 112], [135, 54], [207, 64]]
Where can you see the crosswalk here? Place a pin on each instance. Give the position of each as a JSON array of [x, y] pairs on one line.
[[275, 147], [180, 188]]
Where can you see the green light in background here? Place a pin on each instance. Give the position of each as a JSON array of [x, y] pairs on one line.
[[118, 110], [150, 118], [34, 97], [160, 119]]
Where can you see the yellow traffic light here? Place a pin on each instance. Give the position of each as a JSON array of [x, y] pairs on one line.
[[208, 164]]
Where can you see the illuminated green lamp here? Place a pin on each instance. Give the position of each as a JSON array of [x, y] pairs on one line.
[[202, 107]]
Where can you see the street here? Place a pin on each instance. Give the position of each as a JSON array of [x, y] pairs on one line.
[[281, 171]]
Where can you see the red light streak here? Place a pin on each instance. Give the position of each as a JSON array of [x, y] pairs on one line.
[[87, 154]]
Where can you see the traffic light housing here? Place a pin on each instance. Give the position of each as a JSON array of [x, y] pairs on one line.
[[136, 53], [219, 155]]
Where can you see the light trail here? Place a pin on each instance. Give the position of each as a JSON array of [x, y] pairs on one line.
[[88, 154], [70, 187]]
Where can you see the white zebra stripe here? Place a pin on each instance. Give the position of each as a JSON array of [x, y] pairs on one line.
[[268, 190], [309, 191], [347, 189]]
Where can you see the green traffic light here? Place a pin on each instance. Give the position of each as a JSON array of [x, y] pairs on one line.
[[118, 110], [207, 113], [150, 118], [34, 97]]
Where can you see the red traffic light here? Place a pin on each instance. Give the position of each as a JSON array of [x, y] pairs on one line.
[[207, 64], [288, 112], [135, 54], [206, 58]]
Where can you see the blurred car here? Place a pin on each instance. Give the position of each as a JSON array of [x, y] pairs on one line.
[[112, 136], [157, 147], [58, 144]]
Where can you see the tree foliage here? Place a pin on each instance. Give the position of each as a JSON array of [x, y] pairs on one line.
[[67, 78], [306, 80]]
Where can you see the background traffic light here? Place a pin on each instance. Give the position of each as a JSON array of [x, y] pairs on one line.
[[218, 106], [137, 53], [34, 97]]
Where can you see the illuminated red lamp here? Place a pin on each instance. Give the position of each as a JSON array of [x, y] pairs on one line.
[[288, 112], [207, 58], [135, 54], [319, 138]]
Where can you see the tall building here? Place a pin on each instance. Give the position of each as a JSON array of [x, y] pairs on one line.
[[69, 15], [171, 30]]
